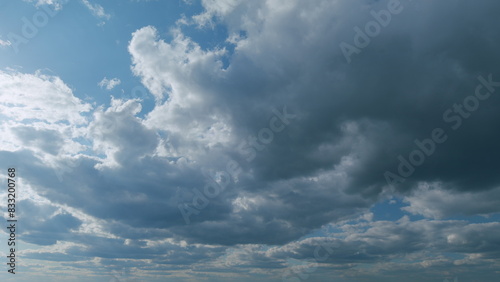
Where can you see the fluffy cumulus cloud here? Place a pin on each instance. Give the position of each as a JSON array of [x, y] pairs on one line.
[[39, 97], [262, 157], [41, 114]]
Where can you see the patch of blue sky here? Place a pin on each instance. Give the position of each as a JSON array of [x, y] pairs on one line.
[[70, 51]]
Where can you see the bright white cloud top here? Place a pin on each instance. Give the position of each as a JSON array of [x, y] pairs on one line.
[[236, 141]]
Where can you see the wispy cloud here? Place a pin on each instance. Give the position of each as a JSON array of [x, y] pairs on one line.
[[109, 83], [5, 43], [57, 4], [97, 10]]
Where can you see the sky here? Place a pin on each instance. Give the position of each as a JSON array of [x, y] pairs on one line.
[[263, 140]]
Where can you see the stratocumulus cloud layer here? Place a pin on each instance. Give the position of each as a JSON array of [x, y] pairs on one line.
[[314, 140]]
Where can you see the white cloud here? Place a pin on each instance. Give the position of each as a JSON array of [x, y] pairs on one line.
[[57, 4], [432, 200], [96, 9], [215, 8], [180, 59], [111, 132], [39, 97], [186, 115], [109, 83], [41, 115], [5, 43]]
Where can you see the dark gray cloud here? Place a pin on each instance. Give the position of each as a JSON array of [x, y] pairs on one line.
[[44, 225], [49, 141]]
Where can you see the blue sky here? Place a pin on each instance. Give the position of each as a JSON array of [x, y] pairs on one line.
[[231, 140], [77, 46]]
